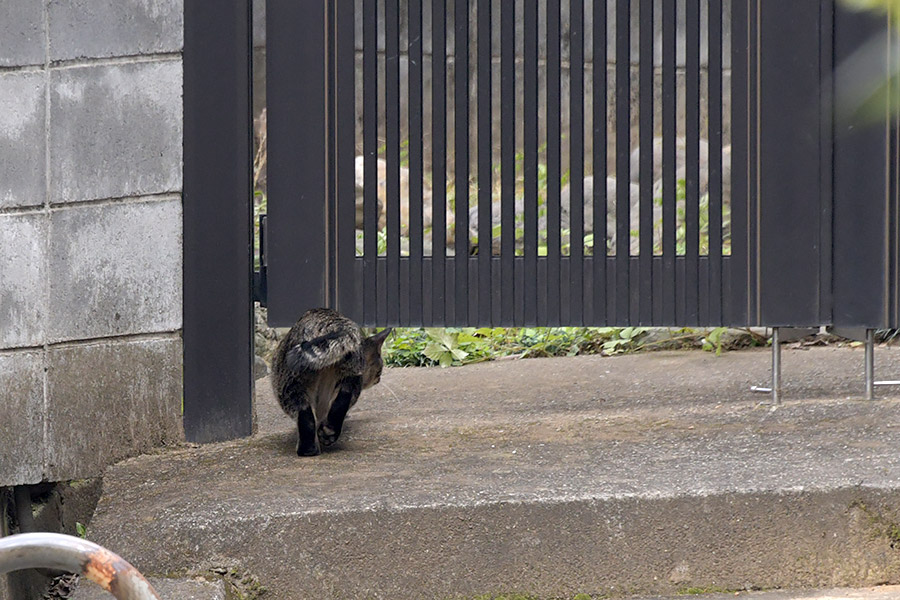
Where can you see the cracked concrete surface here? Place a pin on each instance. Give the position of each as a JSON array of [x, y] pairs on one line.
[[642, 474]]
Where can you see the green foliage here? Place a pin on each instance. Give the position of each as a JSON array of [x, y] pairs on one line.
[[404, 152], [713, 340], [381, 244], [868, 92], [80, 529], [444, 347], [891, 7], [455, 346], [418, 347], [405, 348], [621, 340]]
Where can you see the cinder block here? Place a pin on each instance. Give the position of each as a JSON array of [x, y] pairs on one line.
[[115, 130], [21, 33], [22, 164], [105, 28], [22, 252], [108, 401], [115, 269], [22, 418]]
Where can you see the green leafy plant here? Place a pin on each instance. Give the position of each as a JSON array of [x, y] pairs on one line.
[[622, 340], [458, 346], [713, 340], [443, 347]]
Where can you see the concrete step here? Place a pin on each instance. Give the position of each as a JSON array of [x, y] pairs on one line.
[[643, 474], [168, 589], [887, 592]]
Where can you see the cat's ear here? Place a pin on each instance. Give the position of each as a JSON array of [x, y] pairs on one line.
[[378, 338]]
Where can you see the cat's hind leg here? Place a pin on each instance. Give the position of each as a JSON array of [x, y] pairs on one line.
[[348, 393], [295, 400], [308, 441]]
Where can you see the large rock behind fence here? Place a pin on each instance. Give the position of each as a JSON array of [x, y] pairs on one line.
[[611, 199], [565, 216], [404, 197], [681, 166]]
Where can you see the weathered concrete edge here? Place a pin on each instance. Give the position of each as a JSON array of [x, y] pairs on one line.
[[167, 588], [617, 546]]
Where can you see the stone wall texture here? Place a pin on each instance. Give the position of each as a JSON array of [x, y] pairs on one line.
[[90, 234]]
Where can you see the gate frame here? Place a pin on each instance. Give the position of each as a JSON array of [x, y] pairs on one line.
[[218, 233]]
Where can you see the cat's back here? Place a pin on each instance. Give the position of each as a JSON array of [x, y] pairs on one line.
[[320, 339]]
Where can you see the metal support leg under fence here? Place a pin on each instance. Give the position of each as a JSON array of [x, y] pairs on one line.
[[870, 364], [775, 390], [871, 384]]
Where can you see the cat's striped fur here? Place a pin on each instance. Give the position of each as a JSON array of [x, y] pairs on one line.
[[319, 370]]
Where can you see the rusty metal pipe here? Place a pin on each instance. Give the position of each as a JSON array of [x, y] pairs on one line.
[[72, 554]]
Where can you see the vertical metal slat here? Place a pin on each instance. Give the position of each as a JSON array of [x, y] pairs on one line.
[[392, 133], [738, 271], [646, 161], [599, 161], [715, 162], [669, 128], [330, 158], [345, 137], [553, 162], [485, 150], [530, 167], [438, 160], [753, 160], [623, 157], [507, 161], [461, 162], [827, 58], [692, 166], [416, 232], [370, 161], [576, 162]]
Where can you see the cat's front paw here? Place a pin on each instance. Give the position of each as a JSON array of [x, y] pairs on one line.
[[308, 450], [327, 435]]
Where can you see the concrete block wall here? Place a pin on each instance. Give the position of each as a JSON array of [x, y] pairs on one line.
[[90, 234]]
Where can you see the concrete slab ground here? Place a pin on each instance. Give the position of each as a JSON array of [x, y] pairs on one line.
[[646, 474]]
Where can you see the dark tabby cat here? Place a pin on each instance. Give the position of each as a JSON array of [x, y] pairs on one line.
[[319, 370]]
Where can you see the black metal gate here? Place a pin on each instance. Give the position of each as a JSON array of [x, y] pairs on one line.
[[693, 235], [425, 159]]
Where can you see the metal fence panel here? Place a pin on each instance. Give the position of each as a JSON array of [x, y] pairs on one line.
[[865, 205], [790, 192], [597, 162], [298, 156]]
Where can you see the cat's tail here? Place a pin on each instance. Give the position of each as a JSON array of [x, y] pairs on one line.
[[322, 351]]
